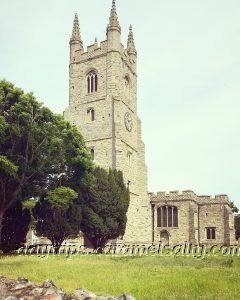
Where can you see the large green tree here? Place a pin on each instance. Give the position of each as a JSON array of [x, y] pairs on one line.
[[104, 207], [58, 215], [38, 149]]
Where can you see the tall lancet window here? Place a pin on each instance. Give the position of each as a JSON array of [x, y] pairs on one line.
[[92, 82]]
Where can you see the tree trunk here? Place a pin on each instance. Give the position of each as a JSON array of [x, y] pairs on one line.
[[6, 202], [1, 226]]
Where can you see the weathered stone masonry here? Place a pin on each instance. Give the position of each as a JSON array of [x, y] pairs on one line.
[[113, 131], [103, 105], [195, 216]]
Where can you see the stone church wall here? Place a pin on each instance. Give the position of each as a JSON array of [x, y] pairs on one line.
[[195, 215]]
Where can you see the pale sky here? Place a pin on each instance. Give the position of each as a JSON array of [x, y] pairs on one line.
[[188, 78]]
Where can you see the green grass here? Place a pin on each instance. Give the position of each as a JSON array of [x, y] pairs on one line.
[[143, 277]]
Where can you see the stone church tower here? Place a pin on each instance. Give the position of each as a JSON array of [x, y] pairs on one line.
[[103, 105]]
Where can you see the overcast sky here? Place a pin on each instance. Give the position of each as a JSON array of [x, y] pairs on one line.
[[188, 78]]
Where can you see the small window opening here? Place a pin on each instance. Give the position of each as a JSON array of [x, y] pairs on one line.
[[90, 115], [211, 233], [126, 88], [129, 159], [92, 153]]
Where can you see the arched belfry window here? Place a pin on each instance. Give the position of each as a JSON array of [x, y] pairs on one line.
[[167, 216], [92, 82]]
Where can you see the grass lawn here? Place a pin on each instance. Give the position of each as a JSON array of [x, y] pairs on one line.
[[143, 277]]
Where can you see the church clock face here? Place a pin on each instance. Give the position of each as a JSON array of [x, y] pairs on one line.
[[128, 121]]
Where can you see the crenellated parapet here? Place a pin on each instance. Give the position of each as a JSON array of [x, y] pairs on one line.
[[95, 50], [188, 195], [218, 199], [174, 195]]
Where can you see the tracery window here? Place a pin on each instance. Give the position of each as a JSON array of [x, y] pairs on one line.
[[167, 216], [92, 82]]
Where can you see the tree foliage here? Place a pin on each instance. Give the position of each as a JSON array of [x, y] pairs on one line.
[[38, 149], [7, 168], [30, 204], [237, 226], [16, 222], [61, 197], [58, 215], [104, 207], [234, 207], [236, 219]]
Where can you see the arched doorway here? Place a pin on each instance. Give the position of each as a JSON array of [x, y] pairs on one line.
[[164, 237]]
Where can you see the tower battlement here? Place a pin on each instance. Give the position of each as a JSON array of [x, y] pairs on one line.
[[96, 50]]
